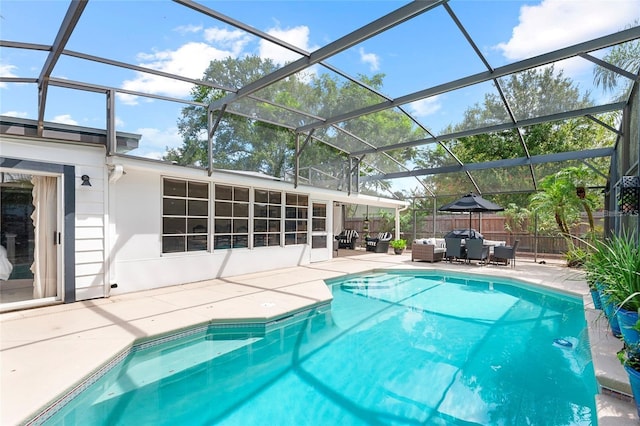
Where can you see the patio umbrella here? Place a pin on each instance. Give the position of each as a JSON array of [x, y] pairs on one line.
[[471, 203]]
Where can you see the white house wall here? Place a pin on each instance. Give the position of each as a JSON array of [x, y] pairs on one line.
[[118, 225], [137, 241]]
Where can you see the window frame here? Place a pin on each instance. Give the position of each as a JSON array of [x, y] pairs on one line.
[[296, 217], [192, 241], [229, 216], [237, 234], [272, 218]]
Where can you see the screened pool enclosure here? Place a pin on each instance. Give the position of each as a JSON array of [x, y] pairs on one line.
[[401, 100]]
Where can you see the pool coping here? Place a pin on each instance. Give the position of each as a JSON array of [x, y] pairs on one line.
[[289, 290]]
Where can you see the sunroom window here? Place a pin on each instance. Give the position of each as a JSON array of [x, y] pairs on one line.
[[267, 217], [231, 217], [185, 215], [296, 218]]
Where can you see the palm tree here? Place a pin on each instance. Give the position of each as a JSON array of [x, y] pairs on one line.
[[578, 177], [555, 198], [560, 198], [564, 194], [625, 56]]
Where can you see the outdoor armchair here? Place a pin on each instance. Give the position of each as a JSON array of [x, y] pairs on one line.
[[379, 244], [347, 239]]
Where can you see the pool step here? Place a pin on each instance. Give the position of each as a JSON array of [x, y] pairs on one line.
[[376, 281]]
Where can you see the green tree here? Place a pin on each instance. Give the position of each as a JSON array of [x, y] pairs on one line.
[[253, 144], [580, 177], [560, 200], [515, 217], [625, 56], [531, 93], [240, 143], [554, 199]]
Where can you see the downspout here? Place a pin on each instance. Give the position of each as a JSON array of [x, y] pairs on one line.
[[398, 210], [114, 173]]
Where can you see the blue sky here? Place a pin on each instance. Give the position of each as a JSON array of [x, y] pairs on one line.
[[166, 36]]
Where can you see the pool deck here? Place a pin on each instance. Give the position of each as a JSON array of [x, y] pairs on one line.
[[44, 351]]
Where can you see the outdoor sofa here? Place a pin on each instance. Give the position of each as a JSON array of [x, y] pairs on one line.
[[428, 249]]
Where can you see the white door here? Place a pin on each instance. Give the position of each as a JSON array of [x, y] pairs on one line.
[[320, 244]]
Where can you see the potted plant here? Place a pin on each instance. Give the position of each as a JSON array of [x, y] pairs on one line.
[[591, 261], [399, 246], [622, 281], [629, 356], [596, 268], [614, 265]]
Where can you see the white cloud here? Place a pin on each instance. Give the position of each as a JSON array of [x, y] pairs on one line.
[[189, 60], [554, 24], [64, 119], [425, 107], [127, 99], [192, 59], [370, 58], [17, 114], [154, 142], [6, 71], [187, 29], [232, 41], [297, 36]]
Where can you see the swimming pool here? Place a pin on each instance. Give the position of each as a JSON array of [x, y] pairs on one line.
[[396, 347]]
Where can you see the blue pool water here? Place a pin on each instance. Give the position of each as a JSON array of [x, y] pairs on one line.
[[394, 349]]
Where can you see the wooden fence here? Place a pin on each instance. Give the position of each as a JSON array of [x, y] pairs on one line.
[[492, 228]]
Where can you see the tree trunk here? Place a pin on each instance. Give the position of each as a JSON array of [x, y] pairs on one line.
[[564, 230], [587, 209]]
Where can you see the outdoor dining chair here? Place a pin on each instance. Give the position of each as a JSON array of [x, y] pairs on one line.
[[506, 253], [455, 250], [476, 250]]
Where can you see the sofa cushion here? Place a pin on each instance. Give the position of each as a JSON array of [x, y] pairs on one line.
[[349, 234], [438, 242]]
